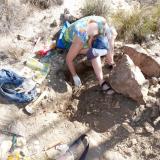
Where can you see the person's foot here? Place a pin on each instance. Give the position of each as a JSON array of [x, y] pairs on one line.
[[105, 87]]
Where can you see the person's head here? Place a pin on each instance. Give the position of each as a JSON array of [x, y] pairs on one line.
[[92, 28]]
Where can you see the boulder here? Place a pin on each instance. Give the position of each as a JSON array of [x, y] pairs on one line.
[[127, 79], [147, 62]]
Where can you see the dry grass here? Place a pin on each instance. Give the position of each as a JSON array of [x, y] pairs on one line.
[[96, 7], [11, 14], [138, 25], [44, 4]]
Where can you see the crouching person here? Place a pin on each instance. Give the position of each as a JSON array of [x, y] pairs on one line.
[[91, 36]]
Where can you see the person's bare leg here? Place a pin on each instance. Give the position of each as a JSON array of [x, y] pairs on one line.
[[97, 66], [110, 59]]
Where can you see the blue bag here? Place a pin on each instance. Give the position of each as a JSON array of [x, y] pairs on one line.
[[60, 44], [10, 81]]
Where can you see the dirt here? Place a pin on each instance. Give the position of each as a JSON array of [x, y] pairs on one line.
[[112, 122]]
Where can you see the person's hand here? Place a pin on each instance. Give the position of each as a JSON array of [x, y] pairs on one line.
[[77, 81]]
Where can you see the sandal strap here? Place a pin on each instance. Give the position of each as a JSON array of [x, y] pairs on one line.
[[105, 83]]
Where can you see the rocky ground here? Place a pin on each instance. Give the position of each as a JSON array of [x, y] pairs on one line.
[[113, 122]]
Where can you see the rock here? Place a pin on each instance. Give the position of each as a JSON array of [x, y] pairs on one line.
[[158, 102], [128, 127], [154, 81], [154, 90], [59, 2], [117, 105], [148, 127], [155, 112], [74, 105], [149, 105], [138, 113], [151, 100], [139, 130], [112, 155], [127, 79], [148, 153], [149, 64], [134, 141], [156, 121], [53, 24]]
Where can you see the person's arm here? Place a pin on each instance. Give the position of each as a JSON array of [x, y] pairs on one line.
[[75, 48]]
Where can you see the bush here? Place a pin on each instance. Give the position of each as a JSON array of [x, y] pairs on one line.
[[96, 7], [44, 4], [136, 26]]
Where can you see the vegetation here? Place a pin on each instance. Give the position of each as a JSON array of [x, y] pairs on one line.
[[140, 23], [96, 7], [134, 27], [44, 4]]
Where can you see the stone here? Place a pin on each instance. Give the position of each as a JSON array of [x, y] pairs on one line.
[[155, 112], [128, 127], [112, 155], [154, 81], [138, 113], [148, 63], [139, 130], [59, 2], [151, 100], [156, 121], [127, 79], [74, 105], [154, 90], [158, 102], [134, 141], [53, 24], [148, 127]]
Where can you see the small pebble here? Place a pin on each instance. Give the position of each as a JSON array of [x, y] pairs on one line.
[[134, 141], [148, 127], [156, 121], [139, 130], [154, 81], [128, 127]]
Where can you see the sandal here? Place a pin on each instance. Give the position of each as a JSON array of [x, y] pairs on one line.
[[107, 88]]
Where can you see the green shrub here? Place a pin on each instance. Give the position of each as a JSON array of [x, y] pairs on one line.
[[137, 25], [96, 7]]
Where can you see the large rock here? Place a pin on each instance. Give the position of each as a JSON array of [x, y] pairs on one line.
[[148, 63], [126, 78]]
